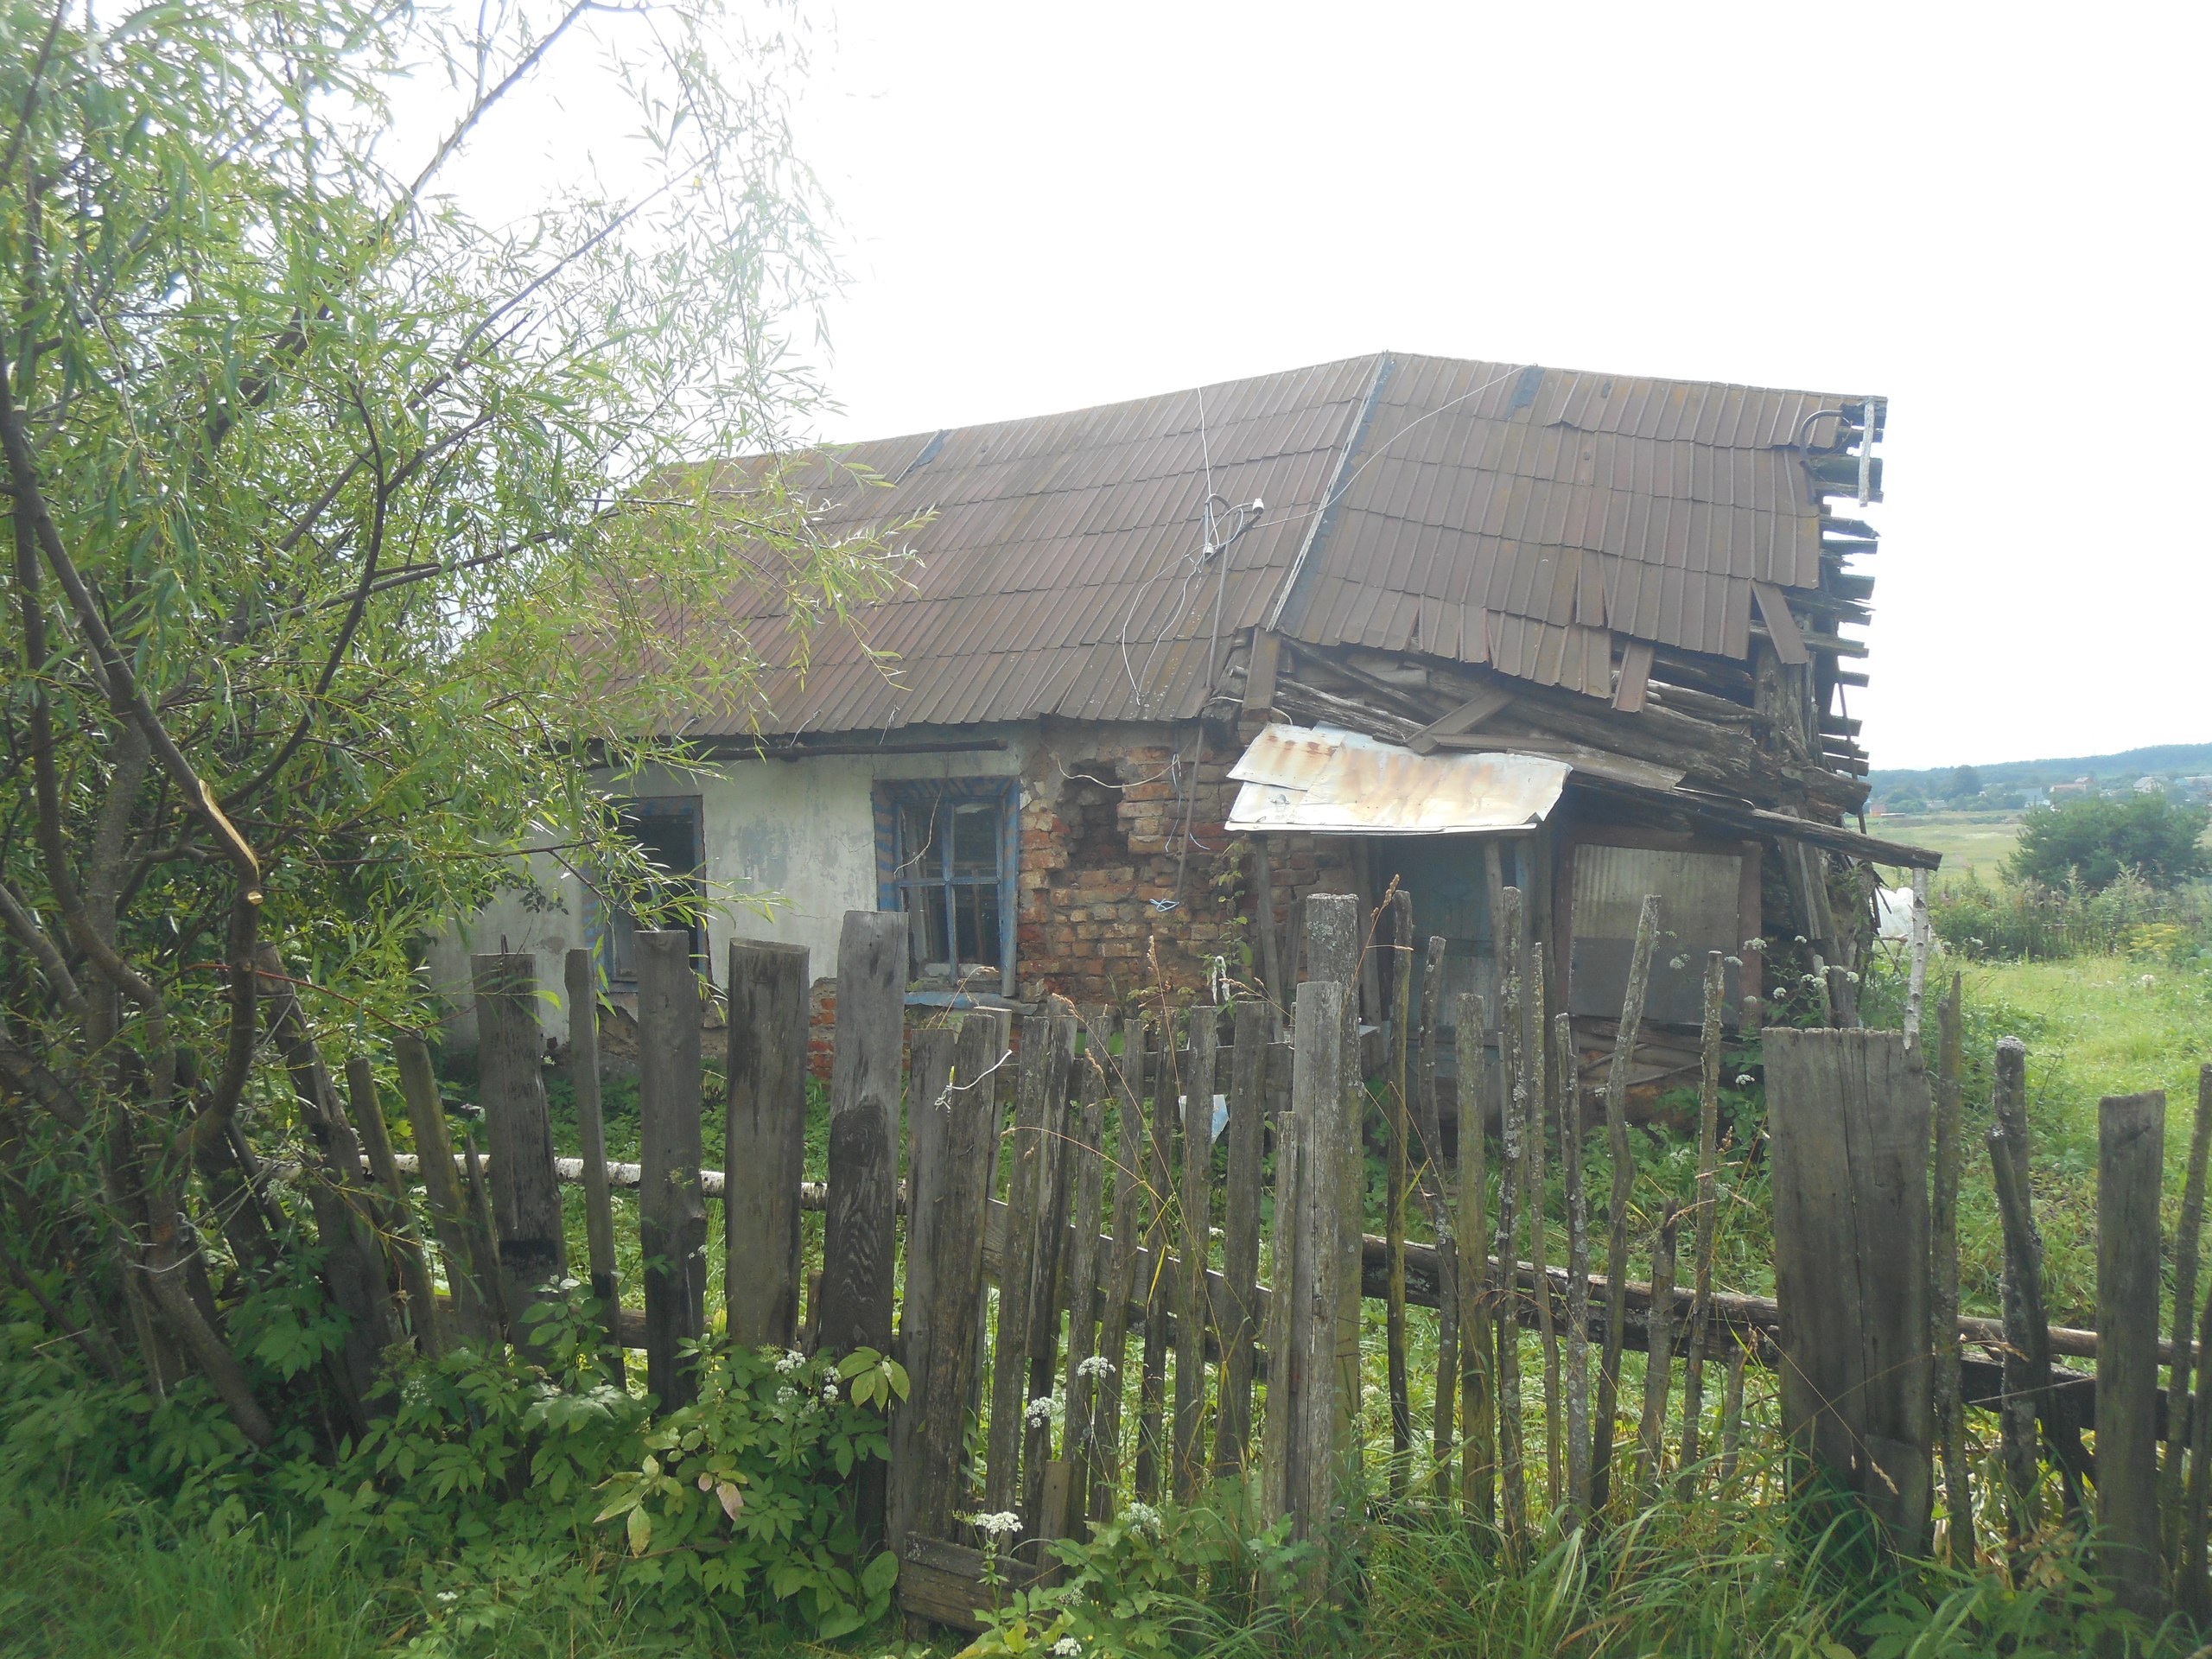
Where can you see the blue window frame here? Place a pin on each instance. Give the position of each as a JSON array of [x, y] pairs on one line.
[[945, 852]]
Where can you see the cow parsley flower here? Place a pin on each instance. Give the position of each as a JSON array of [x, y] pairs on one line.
[[1097, 1365], [792, 1361], [1067, 1647], [1003, 1523], [1143, 1516], [1043, 1410]]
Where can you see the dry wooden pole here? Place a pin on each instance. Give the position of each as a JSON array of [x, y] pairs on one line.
[[1017, 1282], [1578, 1276], [1943, 1294], [1046, 1279], [1246, 1129], [2187, 1238], [525, 1194], [1708, 1213], [2131, 1157], [1125, 1078], [1329, 1376], [1513, 1106], [1731, 1411], [405, 1248], [1659, 1363], [859, 1215], [765, 1126], [1539, 1238], [671, 1203], [1478, 1295], [1159, 1291], [1333, 954], [1197, 1206], [468, 1255], [1282, 1429], [1394, 1213], [929, 1128], [1438, 1196], [1088, 1182], [944, 1282], [2027, 1327], [1624, 1191], [1273, 982], [581, 982]]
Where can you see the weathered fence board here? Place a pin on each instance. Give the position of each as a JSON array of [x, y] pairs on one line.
[[1848, 1112], [525, 1194], [2131, 1159], [764, 1128], [579, 979], [671, 1207], [859, 1224]]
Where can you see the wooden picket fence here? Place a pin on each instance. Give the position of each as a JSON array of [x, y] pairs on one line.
[[1091, 1312]]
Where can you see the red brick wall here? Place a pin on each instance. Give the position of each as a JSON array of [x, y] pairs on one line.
[[1102, 811]]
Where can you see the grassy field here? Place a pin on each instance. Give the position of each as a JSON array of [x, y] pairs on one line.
[[1972, 842]]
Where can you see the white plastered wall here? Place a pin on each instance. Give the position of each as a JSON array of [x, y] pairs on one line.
[[797, 838]]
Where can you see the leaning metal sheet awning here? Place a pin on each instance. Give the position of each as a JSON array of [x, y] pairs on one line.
[[1326, 782]]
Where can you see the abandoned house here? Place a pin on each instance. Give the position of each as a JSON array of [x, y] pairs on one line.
[[1166, 666]]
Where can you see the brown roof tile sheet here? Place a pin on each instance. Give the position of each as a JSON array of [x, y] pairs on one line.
[[1487, 512]]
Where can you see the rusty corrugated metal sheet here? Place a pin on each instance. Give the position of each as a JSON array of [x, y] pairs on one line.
[[1343, 783], [1529, 519]]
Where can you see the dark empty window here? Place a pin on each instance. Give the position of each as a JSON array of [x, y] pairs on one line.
[[945, 857], [667, 830]]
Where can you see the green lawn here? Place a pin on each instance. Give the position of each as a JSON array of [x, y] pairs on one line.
[[1972, 842]]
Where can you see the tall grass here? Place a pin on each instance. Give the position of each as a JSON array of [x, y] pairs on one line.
[[2028, 921]]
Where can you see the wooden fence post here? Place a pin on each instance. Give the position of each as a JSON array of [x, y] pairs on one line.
[[1848, 1114], [472, 1269], [525, 1192], [1025, 1201], [948, 1200], [405, 1249], [671, 1207], [1325, 1369], [579, 979], [766, 1131], [1125, 1081], [1043, 1346], [1333, 956], [1624, 1191], [1191, 1300], [2131, 1159], [860, 1211], [1943, 1302], [1248, 1105], [1088, 1184]]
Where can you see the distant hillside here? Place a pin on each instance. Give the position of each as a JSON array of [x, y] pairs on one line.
[[2160, 760]]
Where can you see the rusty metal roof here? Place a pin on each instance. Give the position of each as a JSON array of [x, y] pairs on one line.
[[1345, 783], [1526, 518]]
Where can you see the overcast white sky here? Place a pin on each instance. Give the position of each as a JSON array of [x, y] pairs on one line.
[[1993, 215]]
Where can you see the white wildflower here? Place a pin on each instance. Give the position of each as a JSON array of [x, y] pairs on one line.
[[1734, 962], [1067, 1647], [1754, 946], [1141, 1515], [1743, 1079], [828, 1390], [448, 1595], [1002, 1524], [2146, 981], [1801, 938], [571, 1284], [1097, 1365], [1044, 1409], [792, 1361], [785, 1395], [1678, 963]]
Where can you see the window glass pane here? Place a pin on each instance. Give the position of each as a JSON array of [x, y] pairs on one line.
[[976, 838], [977, 908], [926, 905], [921, 852]]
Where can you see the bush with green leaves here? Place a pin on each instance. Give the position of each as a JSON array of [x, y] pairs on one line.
[[2095, 841], [2028, 920], [499, 1486]]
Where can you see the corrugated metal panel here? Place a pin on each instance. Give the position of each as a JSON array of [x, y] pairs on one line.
[[1699, 899], [1469, 524], [1342, 783]]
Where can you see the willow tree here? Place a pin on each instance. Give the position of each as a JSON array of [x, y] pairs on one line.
[[347, 521]]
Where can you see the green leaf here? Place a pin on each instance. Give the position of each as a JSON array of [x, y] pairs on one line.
[[879, 1574], [641, 1531]]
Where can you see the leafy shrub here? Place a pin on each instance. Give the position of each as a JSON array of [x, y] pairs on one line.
[[498, 1489], [2095, 841], [2029, 920]]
